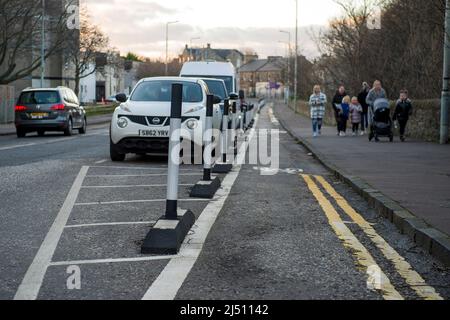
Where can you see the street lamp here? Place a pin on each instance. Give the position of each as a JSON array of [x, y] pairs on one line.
[[43, 44], [296, 56], [445, 100], [190, 46], [167, 44], [288, 64]]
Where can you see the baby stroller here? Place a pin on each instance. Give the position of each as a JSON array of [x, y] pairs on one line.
[[381, 122]]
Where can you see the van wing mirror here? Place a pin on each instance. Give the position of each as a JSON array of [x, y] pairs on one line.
[[121, 97]]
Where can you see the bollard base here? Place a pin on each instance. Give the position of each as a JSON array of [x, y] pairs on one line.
[[166, 236], [222, 168], [205, 189]]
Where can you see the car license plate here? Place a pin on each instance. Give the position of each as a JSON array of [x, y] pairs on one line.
[[154, 133], [39, 115]]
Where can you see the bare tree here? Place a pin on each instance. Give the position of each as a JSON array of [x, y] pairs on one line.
[[83, 48], [20, 25], [405, 52]]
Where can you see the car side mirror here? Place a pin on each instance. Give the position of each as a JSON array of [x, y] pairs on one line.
[[234, 96], [217, 99], [121, 97]]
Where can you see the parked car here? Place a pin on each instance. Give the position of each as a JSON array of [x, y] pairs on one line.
[[141, 123], [52, 109], [218, 88]]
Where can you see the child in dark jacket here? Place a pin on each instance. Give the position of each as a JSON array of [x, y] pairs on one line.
[[403, 111], [344, 112]]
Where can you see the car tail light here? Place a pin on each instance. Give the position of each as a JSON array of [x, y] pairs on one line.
[[58, 107], [20, 108]]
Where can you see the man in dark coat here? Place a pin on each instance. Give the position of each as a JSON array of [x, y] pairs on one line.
[[362, 96], [336, 103]]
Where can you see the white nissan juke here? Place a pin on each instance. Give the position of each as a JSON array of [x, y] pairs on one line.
[[141, 123]]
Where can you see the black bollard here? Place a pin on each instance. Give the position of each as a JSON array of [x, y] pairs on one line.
[[208, 187], [169, 232]]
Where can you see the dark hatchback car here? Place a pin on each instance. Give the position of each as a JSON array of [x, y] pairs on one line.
[[41, 110]]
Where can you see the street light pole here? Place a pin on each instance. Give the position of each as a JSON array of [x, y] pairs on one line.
[[43, 44], [190, 46], [288, 66], [167, 45], [445, 102], [296, 57]]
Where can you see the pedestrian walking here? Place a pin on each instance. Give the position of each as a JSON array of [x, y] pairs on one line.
[[317, 103], [336, 104], [403, 110], [377, 92], [344, 112], [362, 96], [356, 111]]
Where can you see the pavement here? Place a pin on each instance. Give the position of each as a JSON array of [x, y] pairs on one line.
[[10, 129], [415, 174], [67, 209]]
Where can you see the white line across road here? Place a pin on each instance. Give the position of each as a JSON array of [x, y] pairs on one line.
[[136, 201], [99, 261], [89, 225], [135, 186], [48, 141], [141, 175], [166, 286], [31, 283], [136, 168]]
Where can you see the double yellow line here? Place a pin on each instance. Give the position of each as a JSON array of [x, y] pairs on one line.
[[363, 257]]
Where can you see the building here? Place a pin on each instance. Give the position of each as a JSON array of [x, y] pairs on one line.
[[260, 76], [202, 54], [57, 71], [107, 81]]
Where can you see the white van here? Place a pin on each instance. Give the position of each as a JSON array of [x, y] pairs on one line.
[[212, 69]]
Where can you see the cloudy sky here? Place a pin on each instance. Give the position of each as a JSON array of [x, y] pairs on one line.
[[139, 25]]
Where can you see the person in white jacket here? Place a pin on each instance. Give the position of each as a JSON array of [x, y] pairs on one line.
[[317, 102]]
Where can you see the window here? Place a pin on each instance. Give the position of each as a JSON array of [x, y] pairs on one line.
[[216, 88], [162, 91], [39, 97]]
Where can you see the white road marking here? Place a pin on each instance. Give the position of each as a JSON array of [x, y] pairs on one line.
[[48, 141], [135, 201], [99, 261], [101, 161], [73, 226], [31, 283], [166, 286], [141, 168], [136, 186], [140, 175]]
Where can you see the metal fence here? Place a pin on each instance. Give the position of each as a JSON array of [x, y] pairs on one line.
[[7, 101]]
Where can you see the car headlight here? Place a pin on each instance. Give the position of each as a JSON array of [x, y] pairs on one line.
[[192, 124], [122, 123]]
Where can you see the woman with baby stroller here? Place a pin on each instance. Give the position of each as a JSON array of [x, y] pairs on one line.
[[380, 120]]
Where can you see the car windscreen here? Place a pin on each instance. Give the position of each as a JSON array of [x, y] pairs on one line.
[[227, 79], [39, 97], [161, 91], [216, 87]]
